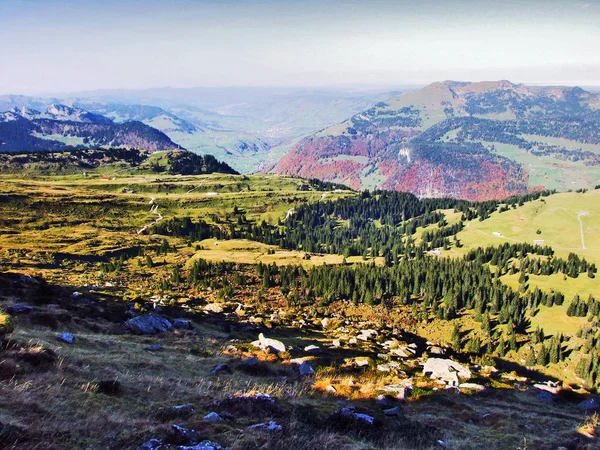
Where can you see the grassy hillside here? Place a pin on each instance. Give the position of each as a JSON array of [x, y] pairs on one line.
[[566, 222], [88, 252]]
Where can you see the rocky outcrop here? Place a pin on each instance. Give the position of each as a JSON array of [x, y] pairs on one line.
[[446, 370], [148, 324]]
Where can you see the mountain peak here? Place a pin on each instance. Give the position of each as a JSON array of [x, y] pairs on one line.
[[57, 111]]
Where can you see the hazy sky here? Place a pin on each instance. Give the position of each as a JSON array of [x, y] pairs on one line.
[[57, 46]]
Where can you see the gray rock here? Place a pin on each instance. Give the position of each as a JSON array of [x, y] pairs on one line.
[[589, 405], [312, 350], [446, 370], [306, 369], [349, 417], [19, 308], [545, 397], [182, 324], [250, 362], [204, 445], [183, 436], [396, 411], [176, 412], [213, 417], [269, 426], [148, 324], [221, 368], [65, 337], [152, 444], [154, 348], [385, 401], [267, 343], [472, 387]]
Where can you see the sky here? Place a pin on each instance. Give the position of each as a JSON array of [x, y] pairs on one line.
[[52, 46]]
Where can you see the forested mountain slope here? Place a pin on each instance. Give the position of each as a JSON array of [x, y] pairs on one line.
[[466, 140], [61, 127]]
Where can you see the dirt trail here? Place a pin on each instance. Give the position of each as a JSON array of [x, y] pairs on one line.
[[153, 210], [579, 214], [201, 183]]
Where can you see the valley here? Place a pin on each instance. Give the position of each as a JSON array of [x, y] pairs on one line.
[[361, 289]]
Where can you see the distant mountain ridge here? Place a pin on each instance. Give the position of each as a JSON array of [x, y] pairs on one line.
[[459, 139], [62, 127], [248, 127]]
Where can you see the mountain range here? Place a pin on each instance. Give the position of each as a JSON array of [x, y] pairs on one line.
[[61, 127], [248, 127], [469, 140], [475, 141]]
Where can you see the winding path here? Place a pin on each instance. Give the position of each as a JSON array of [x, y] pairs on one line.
[[201, 183], [153, 210]]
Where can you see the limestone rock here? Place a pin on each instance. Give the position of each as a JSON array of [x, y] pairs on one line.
[[267, 343], [446, 370]]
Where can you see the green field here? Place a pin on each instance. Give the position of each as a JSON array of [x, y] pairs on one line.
[[556, 217]]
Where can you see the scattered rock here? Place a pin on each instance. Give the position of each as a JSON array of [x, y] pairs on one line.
[[336, 343], [388, 367], [175, 412], [214, 308], [362, 361], [148, 324], [306, 369], [312, 350], [270, 426], [385, 401], [396, 411], [545, 397], [446, 370], [330, 389], [548, 386], [152, 444], [154, 348], [267, 343], [213, 417], [258, 404], [221, 368], [350, 418], [436, 350], [19, 308], [65, 337], [182, 324], [472, 387], [179, 435], [590, 405]]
